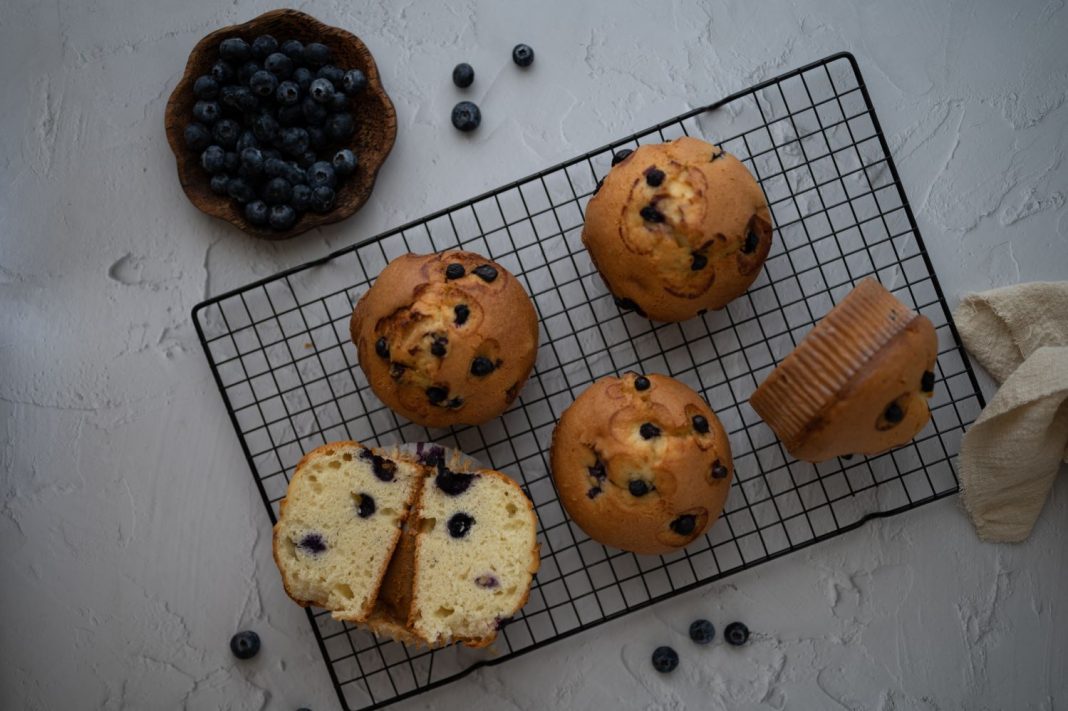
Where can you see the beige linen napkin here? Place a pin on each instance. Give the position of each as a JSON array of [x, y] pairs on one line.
[[1012, 452]]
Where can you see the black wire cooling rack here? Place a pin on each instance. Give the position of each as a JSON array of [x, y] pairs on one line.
[[281, 356]]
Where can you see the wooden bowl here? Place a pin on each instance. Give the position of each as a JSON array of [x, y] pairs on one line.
[[375, 118]]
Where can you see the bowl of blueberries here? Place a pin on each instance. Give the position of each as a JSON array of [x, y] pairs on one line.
[[280, 124]]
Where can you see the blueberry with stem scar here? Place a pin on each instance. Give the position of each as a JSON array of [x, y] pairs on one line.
[[736, 634]]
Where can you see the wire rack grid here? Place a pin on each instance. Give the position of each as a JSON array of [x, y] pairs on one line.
[[281, 356]]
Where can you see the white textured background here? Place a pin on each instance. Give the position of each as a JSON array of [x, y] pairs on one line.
[[132, 538]]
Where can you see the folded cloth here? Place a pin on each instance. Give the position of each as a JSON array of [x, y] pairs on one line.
[[1011, 454]]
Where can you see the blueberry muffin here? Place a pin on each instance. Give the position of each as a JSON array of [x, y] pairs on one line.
[[857, 383], [339, 524], [678, 228], [446, 339], [641, 463]]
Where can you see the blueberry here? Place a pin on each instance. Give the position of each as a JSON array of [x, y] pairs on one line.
[[245, 645], [436, 395], [597, 471], [240, 190], [263, 83], [485, 272], [344, 162], [454, 271], [219, 182], [278, 64], [459, 524], [523, 55], [281, 217], [455, 403], [649, 431], [307, 159], [316, 54], [462, 312], [339, 127], [698, 261], [197, 136], [439, 347], [466, 116], [382, 348], [384, 469], [353, 82], [366, 506], [321, 90], [719, 471], [246, 70], [654, 177], [290, 115], [277, 191], [927, 382], [252, 160], [314, 112], [230, 95], [452, 483], [213, 159], [312, 543], [482, 366], [263, 46], [226, 132], [231, 162], [702, 631], [256, 212], [321, 173], [700, 424], [294, 140], [665, 659], [338, 102], [269, 153], [294, 173], [894, 413], [620, 156], [628, 305], [293, 49], [736, 634], [265, 127], [247, 140], [274, 168], [332, 73], [205, 87], [396, 371], [641, 383], [463, 75], [234, 49], [302, 76], [638, 487], [684, 524], [487, 581], [593, 492], [322, 200], [751, 242], [222, 72], [316, 137], [649, 213]]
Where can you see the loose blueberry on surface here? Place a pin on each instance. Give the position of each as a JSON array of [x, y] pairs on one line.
[[281, 217], [225, 132], [223, 72], [702, 631], [487, 581], [205, 87], [719, 471], [256, 212], [294, 49], [684, 524], [246, 70], [593, 492], [736, 634], [485, 272], [323, 199], [277, 191], [459, 524], [700, 424], [245, 644], [344, 162], [641, 383], [279, 65], [638, 487], [263, 46], [654, 177], [353, 82], [234, 49], [438, 347], [665, 659], [197, 137], [463, 75], [321, 90], [321, 173], [340, 126], [213, 159], [751, 242], [288, 93], [482, 366], [316, 54], [620, 156], [454, 271], [927, 382], [462, 312], [894, 413], [219, 182], [313, 112], [452, 483], [382, 348], [649, 431], [331, 73], [523, 55], [649, 213], [312, 543], [466, 116], [698, 261]]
